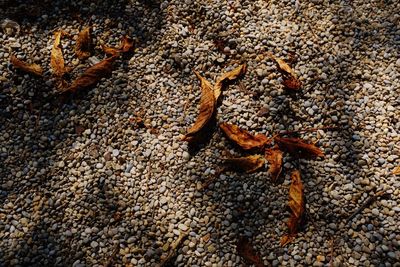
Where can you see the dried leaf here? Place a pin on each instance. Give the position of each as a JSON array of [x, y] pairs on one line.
[[292, 83], [247, 164], [126, 46], [207, 108], [83, 44], [283, 66], [56, 58], [274, 157], [298, 147], [243, 138], [231, 75], [290, 80], [396, 170], [247, 252], [297, 206], [34, 69], [91, 76]]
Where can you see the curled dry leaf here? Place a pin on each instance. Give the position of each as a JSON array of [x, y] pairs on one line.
[[297, 207], [283, 66], [247, 164], [34, 69], [56, 57], [207, 108], [247, 252], [231, 75], [126, 46], [243, 138], [396, 170], [91, 76], [298, 147], [83, 44], [274, 157], [292, 83]]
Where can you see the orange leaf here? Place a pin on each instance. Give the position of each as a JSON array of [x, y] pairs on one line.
[[247, 164], [231, 75], [126, 46], [83, 44], [56, 58], [92, 75], [207, 108], [274, 157], [396, 170], [247, 252], [298, 147], [297, 206], [283, 66], [34, 69], [243, 138], [292, 83]]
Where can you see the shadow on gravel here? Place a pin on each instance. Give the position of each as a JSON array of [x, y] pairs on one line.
[[40, 139]]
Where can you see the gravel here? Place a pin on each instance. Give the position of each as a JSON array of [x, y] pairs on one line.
[[81, 181]]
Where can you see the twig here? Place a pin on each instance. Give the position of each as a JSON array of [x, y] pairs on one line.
[[332, 242], [110, 260], [310, 130], [173, 249], [366, 203]]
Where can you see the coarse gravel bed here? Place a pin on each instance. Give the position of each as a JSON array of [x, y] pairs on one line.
[[83, 183]]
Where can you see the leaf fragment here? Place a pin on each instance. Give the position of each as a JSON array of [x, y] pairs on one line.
[[83, 44], [396, 171], [290, 80], [126, 46], [56, 58], [247, 252], [292, 83], [243, 138], [298, 147], [274, 157], [231, 75], [247, 164], [34, 69], [297, 207], [207, 109], [91, 75], [282, 65]]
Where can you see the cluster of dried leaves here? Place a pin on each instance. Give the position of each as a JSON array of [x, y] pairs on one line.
[[83, 50], [267, 148]]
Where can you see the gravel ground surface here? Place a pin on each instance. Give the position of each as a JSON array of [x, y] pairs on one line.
[[83, 184]]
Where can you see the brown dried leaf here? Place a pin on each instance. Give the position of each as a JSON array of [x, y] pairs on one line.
[[247, 252], [243, 138], [396, 171], [298, 147], [297, 206], [283, 66], [83, 44], [207, 108], [91, 76], [247, 164], [126, 46], [34, 69], [56, 58], [292, 83], [231, 75], [274, 156]]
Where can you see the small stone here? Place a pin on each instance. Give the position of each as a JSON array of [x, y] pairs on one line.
[[162, 189], [94, 244], [115, 152], [183, 227], [99, 165]]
